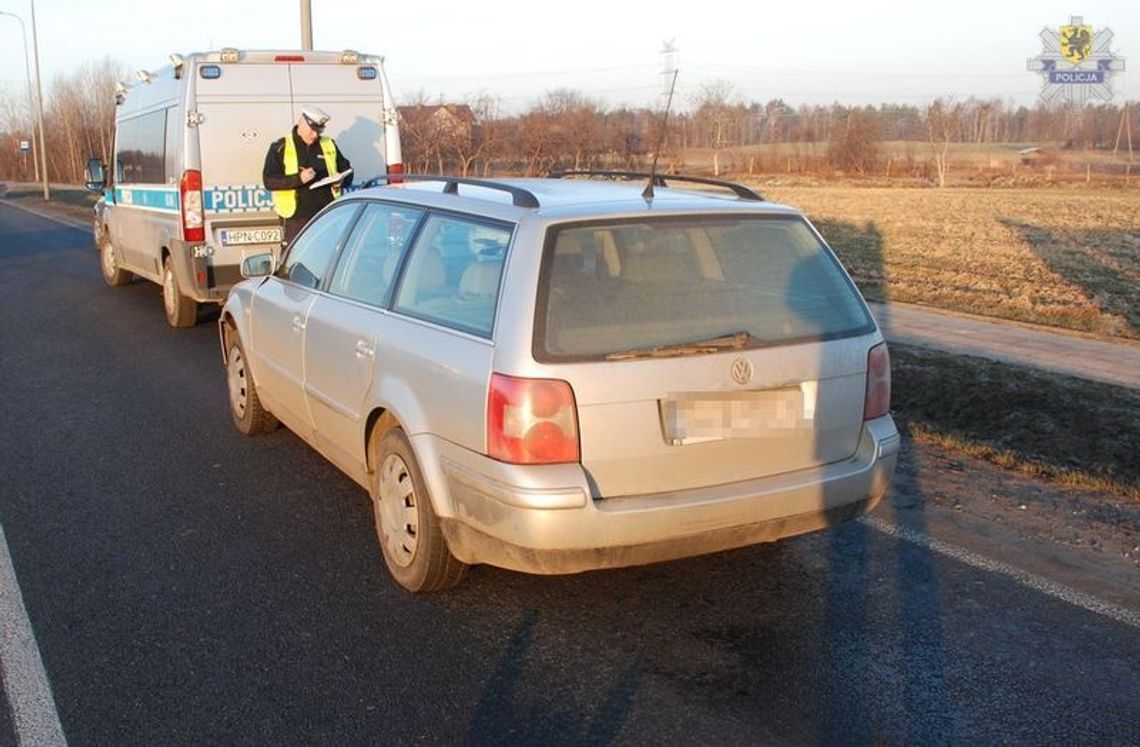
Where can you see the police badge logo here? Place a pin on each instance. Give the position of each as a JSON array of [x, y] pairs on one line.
[[1076, 63], [1076, 43]]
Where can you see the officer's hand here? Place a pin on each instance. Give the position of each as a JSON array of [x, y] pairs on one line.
[[307, 175]]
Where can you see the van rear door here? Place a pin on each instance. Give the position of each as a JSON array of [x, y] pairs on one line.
[[241, 112]]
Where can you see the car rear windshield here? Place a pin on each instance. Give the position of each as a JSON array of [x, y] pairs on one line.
[[662, 286]]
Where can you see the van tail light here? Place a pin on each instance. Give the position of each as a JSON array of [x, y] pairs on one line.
[[395, 173], [531, 421], [878, 399], [193, 222]]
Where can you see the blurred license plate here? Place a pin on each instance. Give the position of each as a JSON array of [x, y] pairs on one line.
[[236, 236], [709, 417]]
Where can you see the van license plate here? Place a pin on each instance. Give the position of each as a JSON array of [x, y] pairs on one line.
[[239, 236]]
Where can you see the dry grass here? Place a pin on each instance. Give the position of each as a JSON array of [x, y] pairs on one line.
[[1058, 428], [1061, 257]]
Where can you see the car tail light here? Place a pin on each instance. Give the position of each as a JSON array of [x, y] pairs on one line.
[[395, 173], [190, 189], [531, 421], [878, 398], [289, 58]]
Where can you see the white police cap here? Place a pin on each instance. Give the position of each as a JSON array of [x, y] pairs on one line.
[[315, 116]]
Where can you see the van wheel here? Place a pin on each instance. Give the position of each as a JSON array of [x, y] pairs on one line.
[[180, 310], [414, 549], [249, 415], [109, 264]]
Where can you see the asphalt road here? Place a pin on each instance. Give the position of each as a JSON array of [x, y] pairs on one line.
[[188, 585]]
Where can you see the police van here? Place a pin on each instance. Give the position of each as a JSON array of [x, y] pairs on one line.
[[183, 203]]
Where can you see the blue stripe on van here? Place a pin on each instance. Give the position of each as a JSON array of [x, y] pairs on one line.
[[163, 199]]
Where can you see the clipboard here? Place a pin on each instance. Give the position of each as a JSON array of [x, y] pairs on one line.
[[333, 179]]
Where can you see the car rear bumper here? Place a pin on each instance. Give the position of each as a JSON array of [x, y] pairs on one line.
[[543, 520]]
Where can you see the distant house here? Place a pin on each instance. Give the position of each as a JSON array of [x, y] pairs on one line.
[[1036, 156], [448, 120]]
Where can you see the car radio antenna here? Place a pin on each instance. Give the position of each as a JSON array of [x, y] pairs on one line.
[[648, 192]]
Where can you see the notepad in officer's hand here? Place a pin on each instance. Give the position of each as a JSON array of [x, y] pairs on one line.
[[330, 179]]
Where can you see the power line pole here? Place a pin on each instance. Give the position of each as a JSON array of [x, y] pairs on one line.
[[306, 24], [40, 105]]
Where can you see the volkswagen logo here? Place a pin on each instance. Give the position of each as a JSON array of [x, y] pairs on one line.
[[741, 371]]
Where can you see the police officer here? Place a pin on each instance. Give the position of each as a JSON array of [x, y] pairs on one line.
[[297, 160]]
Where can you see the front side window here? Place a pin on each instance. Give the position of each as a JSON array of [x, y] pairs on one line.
[[310, 255], [617, 289], [452, 276], [371, 259]]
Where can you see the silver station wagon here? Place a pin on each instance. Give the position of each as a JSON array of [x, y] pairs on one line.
[[563, 374]]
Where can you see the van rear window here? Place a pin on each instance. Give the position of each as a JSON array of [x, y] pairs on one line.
[[611, 288]]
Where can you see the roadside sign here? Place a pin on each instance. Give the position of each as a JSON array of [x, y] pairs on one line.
[[25, 145]]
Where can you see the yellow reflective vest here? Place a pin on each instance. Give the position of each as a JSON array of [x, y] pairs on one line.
[[285, 200]]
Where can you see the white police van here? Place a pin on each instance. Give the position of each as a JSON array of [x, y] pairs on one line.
[[183, 202]]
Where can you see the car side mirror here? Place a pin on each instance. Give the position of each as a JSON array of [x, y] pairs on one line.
[[259, 265], [96, 175]]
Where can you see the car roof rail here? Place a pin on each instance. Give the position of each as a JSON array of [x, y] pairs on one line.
[[519, 197], [659, 180]]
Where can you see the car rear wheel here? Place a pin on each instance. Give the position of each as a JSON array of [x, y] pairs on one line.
[[180, 310], [109, 264], [413, 545], [249, 415]]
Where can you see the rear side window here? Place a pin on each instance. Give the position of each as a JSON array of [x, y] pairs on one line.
[[452, 277], [371, 259], [619, 287], [141, 154]]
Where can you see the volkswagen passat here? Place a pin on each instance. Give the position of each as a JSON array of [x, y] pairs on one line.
[[556, 375]]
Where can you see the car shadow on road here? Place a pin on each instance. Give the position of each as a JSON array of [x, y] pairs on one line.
[[1103, 264], [504, 717]]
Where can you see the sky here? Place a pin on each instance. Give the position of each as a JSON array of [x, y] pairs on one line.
[[856, 53]]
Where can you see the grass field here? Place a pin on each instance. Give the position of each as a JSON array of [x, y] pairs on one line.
[[1066, 257]]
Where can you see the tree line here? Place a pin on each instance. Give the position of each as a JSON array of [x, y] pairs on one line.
[[566, 129]]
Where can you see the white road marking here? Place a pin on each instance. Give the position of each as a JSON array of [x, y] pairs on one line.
[[34, 716], [1025, 578]]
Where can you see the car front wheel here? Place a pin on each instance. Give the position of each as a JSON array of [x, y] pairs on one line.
[[249, 415], [412, 543]]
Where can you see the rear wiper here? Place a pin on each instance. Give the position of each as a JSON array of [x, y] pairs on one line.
[[734, 341]]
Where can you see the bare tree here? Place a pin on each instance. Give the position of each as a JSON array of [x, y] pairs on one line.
[[856, 146], [482, 138], [941, 127]]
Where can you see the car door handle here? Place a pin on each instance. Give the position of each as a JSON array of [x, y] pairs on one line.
[[364, 350], [298, 323]]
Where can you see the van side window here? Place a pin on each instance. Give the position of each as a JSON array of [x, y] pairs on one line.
[[141, 154], [371, 259], [311, 253], [175, 125], [453, 273]]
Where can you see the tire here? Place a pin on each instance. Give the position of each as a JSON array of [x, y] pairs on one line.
[[180, 310], [113, 275], [411, 541], [249, 415]]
